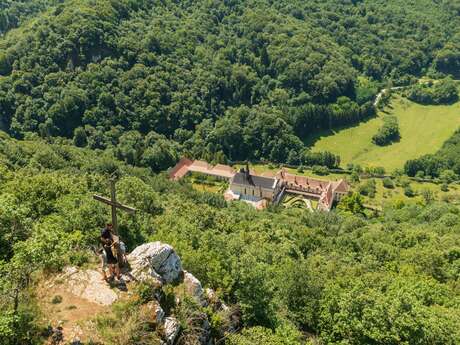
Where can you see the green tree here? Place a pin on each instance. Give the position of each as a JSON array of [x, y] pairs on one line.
[[352, 203], [80, 138]]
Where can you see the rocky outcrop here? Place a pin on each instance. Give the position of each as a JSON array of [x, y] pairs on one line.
[[153, 313], [157, 260], [171, 330], [88, 285], [214, 301], [193, 288], [155, 264]]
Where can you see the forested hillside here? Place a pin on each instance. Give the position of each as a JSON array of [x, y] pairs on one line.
[[14, 12], [219, 80], [341, 278], [92, 89]]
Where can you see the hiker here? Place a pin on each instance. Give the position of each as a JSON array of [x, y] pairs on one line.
[[109, 252], [107, 232], [120, 246]]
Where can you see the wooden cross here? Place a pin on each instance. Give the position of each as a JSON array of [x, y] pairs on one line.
[[114, 204]]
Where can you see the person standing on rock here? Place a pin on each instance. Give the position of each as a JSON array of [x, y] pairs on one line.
[[108, 246]]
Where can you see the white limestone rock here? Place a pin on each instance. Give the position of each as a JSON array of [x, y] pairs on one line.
[[155, 314], [171, 330], [155, 259], [193, 288], [215, 301], [88, 284], [211, 295]]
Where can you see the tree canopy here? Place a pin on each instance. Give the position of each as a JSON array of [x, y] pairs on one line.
[[186, 70]]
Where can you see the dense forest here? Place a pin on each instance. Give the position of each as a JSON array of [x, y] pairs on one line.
[[344, 278], [218, 80]]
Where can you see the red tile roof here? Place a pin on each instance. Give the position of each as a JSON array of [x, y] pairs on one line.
[[185, 165], [180, 169], [341, 186]]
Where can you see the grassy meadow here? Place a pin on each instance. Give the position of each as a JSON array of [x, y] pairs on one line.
[[423, 130], [385, 196]]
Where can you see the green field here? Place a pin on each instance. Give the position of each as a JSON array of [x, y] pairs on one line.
[[423, 130], [386, 196]]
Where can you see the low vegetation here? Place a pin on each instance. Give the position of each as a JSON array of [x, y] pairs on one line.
[[97, 88], [423, 130]]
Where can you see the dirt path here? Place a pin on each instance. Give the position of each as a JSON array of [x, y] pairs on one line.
[[382, 92], [73, 313]]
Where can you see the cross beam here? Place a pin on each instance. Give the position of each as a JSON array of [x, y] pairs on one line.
[[114, 205], [108, 201]]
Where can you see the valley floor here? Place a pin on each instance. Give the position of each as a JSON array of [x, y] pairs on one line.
[[423, 130]]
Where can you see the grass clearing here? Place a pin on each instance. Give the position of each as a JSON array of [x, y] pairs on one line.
[[423, 130], [385, 196]]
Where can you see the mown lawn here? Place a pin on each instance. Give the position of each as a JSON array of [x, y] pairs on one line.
[[423, 130]]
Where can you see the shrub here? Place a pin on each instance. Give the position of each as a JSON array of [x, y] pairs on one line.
[[320, 170], [428, 196], [448, 176], [420, 174], [368, 188], [388, 183], [379, 170], [352, 203], [80, 138], [408, 191], [388, 133], [354, 177]]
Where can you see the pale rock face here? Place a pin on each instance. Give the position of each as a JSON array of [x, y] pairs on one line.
[[214, 300], [193, 287], [89, 285], [171, 329], [156, 260], [154, 311], [211, 295]]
